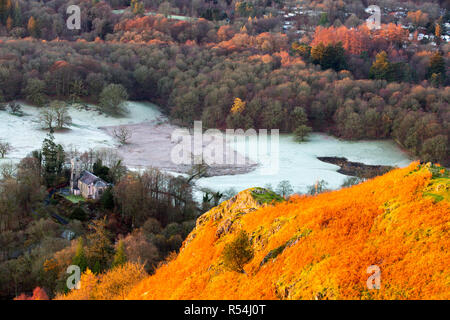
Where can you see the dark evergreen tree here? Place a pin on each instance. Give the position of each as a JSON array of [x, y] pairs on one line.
[[52, 158]]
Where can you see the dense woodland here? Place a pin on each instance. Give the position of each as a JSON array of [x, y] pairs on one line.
[[187, 81], [351, 82], [231, 64]]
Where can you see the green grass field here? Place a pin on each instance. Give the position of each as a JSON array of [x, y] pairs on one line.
[[74, 199]]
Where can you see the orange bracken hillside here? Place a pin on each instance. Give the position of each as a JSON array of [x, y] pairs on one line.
[[320, 247], [310, 247]]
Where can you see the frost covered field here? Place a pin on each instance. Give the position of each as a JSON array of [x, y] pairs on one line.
[[299, 165], [25, 133], [297, 162]]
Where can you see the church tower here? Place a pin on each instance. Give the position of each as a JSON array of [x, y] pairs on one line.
[[75, 173]]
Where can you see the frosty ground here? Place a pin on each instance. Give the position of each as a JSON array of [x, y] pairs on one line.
[[151, 144]]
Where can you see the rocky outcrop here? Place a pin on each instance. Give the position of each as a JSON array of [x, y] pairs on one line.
[[227, 212]]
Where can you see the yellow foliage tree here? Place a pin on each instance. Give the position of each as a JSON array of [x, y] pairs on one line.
[[112, 285], [238, 106], [32, 27], [9, 23]]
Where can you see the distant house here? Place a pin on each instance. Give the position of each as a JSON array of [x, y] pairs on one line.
[[85, 183]]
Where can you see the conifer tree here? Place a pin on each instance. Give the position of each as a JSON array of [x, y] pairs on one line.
[[80, 258], [53, 158], [120, 257], [100, 250], [32, 27]]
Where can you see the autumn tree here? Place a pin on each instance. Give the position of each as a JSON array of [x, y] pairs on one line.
[[139, 249], [238, 252], [32, 27], [38, 294], [111, 285], [238, 106], [302, 49], [225, 33], [100, 249], [117, 283], [9, 23], [89, 282], [380, 67], [436, 67], [438, 32], [418, 18]]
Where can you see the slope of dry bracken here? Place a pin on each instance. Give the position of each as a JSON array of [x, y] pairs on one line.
[[320, 247]]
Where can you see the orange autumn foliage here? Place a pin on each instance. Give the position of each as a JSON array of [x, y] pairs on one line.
[[111, 285], [320, 247], [38, 294], [356, 41]]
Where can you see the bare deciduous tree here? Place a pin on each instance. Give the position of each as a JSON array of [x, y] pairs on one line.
[[284, 188], [47, 118], [62, 114], [56, 115], [123, 134], [5, 147]]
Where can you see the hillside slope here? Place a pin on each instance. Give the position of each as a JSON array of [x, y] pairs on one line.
[[320, 247]]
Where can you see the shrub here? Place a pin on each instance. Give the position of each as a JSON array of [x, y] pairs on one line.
[[238, 253]]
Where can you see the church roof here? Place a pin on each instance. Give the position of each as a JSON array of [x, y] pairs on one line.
[[90, 178]]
